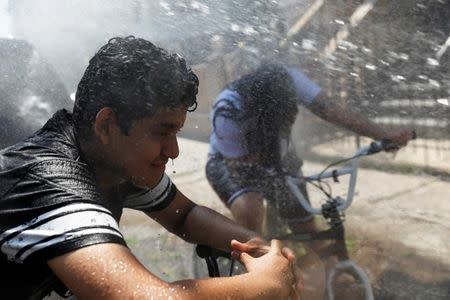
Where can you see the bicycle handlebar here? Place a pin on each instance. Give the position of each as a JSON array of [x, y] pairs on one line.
[[204, 251], [210, 255], [352, 170], [377, 146]]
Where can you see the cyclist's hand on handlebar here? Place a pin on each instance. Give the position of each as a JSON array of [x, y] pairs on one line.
[[274, 267], [396, 139]]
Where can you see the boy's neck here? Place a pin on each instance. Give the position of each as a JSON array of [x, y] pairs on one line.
[[105, 175]]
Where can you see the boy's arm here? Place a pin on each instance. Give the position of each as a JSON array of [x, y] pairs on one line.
[[347, 118], [110, 271], [201, 225]]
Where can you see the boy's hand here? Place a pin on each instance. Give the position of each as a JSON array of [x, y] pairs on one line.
[[257, 247], [273, 268], [400, 138]]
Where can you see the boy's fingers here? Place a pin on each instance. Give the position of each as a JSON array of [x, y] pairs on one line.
[[248, 247], [295, 295], [245, 258], [236, 245], [235, 254], [299, 282], [275, 246], [289, 254]]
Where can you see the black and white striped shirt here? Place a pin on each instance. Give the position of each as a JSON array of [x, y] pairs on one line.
[[50, 205]]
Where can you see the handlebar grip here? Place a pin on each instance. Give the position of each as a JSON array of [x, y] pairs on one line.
[[387, 144], [375, 147]]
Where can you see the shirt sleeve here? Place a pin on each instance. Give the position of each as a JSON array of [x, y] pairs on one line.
[[306, 89], [54, 209], [229, 137], [148, 200]]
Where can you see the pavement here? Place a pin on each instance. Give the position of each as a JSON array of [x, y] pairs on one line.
[[399, 222]]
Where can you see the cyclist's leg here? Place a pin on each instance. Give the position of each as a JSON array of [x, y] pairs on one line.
[[287, 206], [323, 255], [233, 181], [248, 210], [236, 183], [296, 220]]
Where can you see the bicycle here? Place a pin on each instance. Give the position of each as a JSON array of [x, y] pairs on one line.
[[332, 211]]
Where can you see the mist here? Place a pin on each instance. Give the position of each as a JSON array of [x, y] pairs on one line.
[[389, 60], [68, 33]]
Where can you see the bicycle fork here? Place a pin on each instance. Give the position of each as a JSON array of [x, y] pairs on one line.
[[336, 232]]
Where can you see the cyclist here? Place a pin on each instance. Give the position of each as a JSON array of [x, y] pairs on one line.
[[63, 189], [250, 149]]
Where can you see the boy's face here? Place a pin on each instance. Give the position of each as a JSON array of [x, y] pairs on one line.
[[141, 155]]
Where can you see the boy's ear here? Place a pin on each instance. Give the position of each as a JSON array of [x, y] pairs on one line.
[[105, 123]]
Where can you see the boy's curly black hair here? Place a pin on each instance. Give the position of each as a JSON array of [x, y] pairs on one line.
[[267, 111], [136, 79]]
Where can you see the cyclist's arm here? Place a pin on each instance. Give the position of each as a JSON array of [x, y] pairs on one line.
[[199, 224], [342, 115], [110, 271]]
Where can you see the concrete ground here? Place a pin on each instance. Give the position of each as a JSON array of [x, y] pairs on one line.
[[398, 227]]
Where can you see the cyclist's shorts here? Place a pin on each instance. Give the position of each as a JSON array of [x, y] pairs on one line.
[[233, 178]]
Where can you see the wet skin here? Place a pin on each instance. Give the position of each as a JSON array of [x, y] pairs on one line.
[[141, 154]]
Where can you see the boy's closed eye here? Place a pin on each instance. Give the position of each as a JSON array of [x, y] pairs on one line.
[[165, 133]]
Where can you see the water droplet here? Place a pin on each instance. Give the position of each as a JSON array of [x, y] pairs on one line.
[[371, 67], [443, 101], [432, 61]]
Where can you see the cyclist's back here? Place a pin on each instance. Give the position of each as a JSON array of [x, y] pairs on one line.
[[250, 149]]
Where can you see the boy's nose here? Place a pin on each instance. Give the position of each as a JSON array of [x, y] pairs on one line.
[[171, 149]]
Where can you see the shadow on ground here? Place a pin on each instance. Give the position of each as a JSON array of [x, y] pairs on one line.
[[399, 273], [396, 272]]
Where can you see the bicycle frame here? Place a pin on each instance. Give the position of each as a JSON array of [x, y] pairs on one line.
[[332, 211], [352, 170], [338, 205]]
